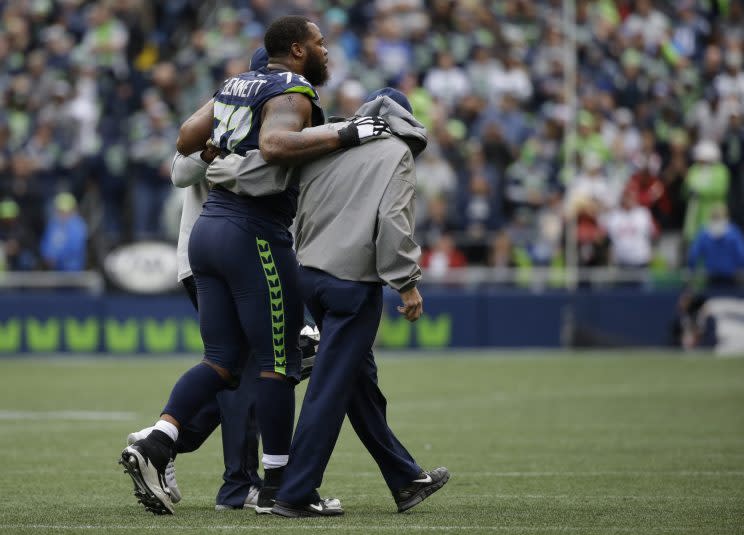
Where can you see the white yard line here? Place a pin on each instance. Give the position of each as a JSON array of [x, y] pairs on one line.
[[103, 416]]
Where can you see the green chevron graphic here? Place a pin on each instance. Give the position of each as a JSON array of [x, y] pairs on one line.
[[277, 305]]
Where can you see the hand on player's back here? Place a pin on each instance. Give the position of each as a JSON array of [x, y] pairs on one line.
[[210, 152], [363, 129]]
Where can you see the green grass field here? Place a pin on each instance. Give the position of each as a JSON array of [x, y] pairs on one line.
[[548, 443]]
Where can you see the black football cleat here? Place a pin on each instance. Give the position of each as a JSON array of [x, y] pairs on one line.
[[145, 463], [265, 500]]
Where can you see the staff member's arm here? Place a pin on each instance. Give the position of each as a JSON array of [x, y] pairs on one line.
[[251, 174], [397, 253], [189, 170]]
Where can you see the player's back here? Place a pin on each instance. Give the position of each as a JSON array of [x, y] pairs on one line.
[[238, 110]]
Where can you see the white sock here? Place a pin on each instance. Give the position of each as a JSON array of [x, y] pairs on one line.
[[274, 461], [167, 428]]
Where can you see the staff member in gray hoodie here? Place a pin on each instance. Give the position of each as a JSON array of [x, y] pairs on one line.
[[353, 231]]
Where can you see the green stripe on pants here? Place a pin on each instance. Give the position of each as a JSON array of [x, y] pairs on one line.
[[277, 305]]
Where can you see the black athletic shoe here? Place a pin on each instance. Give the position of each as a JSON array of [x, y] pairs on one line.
[[419, 489], [145, 462], [266, 499], [323, 507], [266, 496]]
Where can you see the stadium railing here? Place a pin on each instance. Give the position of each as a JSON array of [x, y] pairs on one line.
[[88, 281], [544, 278], [533, 278]]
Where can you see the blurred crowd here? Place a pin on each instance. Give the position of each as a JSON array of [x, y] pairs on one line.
[[642, 158]]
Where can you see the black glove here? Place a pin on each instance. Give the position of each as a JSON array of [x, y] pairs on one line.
[[363, 129], [309, 340]]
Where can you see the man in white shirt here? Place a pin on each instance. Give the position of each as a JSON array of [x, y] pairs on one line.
[[631, 230]]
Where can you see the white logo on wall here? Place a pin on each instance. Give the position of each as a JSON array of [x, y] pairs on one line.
[[143, 267]]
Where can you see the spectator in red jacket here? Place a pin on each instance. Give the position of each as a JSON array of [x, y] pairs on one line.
[[443, 256], [649, 190]]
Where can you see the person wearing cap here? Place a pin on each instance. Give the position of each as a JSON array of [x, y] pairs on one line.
[[64, 240], [706, 184], [353, 234], [17, 242], [719, 247]]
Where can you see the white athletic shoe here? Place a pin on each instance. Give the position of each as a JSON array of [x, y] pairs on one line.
[[250, 501], [149, 482], [170, 469]]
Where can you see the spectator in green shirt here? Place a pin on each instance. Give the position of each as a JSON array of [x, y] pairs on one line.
[[706, 184]]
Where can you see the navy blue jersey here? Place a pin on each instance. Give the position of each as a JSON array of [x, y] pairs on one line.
[[238, 107]]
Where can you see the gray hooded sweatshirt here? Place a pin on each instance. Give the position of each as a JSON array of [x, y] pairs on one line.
[[355, 215]]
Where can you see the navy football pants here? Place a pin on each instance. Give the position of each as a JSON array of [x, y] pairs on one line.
[[236, 410], [247, 290], [344, 382]]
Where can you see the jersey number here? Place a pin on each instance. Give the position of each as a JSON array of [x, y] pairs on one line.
[[234, 125], [301, 78]]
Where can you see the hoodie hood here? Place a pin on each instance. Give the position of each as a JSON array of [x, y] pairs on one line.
[[403, 124]]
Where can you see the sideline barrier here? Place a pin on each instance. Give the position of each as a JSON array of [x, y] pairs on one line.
[[75, 322]]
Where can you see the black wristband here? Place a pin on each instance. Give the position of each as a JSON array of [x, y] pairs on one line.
[[349, 136]]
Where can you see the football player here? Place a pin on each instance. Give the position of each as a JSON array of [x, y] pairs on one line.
[[233, 409]]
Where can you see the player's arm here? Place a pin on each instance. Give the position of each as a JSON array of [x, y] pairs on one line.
[[250, 174], [196, 130], [283, 142]]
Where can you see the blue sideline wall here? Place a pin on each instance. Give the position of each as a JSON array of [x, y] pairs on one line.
[[78, 323]]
